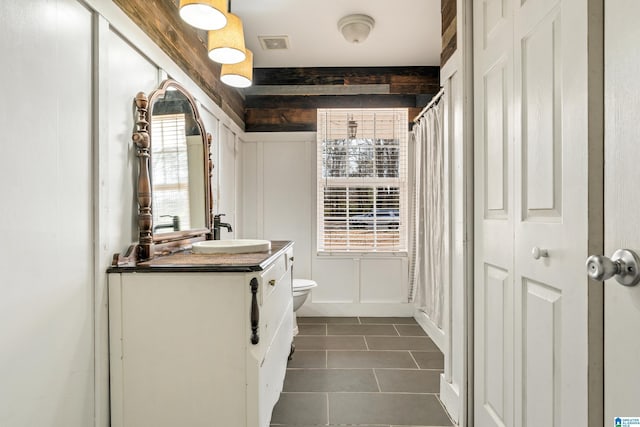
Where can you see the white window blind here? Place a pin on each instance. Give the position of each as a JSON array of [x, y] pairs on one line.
[[170, 173], [362, 180]]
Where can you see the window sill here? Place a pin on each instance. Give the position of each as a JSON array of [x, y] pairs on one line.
[[361, 254]]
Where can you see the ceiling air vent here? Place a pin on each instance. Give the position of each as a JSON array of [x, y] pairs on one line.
[[274, 42]]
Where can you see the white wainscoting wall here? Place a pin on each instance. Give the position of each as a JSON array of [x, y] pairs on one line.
[[46, 214], [279, 202], [277, 188], [226, 165]]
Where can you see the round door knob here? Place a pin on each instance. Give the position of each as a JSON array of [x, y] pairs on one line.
[[538, 253], [624, 265], [601, 268]]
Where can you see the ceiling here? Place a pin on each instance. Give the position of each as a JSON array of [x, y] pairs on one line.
[[406, 32]]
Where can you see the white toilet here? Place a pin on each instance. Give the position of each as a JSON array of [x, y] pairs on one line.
[[301, 289]]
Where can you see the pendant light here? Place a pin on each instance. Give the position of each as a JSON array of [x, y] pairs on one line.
[[238, 75], [204, 14], [226, 46]]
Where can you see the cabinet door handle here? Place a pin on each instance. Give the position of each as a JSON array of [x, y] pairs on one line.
[[272, 282], [255, 312]]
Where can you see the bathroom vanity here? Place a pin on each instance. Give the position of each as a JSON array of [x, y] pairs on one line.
[[200, 340], [196, 339]]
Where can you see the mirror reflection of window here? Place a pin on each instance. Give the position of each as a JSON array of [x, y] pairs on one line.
[[171, 210]]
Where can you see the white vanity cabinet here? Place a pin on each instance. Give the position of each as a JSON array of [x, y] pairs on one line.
[[181, 350]]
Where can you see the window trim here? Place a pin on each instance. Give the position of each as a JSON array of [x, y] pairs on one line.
[[401, 136]]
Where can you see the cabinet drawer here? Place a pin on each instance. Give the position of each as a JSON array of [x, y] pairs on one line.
[[272, 276], [277, 306]]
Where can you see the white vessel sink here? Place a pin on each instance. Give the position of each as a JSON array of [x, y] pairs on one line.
[[231, 246]]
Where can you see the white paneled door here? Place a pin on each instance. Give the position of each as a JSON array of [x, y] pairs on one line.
[[494, 214], [622, 177], [533, 133]]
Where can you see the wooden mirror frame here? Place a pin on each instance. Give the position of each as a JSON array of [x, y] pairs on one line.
[[150, 245]]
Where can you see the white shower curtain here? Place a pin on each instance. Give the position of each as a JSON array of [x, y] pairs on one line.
[[427, 243]]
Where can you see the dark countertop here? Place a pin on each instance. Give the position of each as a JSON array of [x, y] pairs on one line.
[[186, 261]]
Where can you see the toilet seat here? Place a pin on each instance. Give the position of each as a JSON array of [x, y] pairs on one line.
[[303, 284]]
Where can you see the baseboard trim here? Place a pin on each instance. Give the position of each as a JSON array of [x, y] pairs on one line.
[[338, 309], [450, 397], [436, 334]]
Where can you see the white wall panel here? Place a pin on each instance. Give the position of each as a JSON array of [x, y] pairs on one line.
[[249, 192], [287, 205], [383, 280], [122, 72], [359, 285], [46, 289], [227, 186], [129, 72], [277, 192], [337, 280]]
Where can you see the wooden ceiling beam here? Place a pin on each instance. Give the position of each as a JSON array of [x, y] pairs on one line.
[[331, 101], [287, 99], [344, 75]]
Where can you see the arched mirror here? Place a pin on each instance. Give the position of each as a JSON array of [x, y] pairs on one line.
[[174, 180]]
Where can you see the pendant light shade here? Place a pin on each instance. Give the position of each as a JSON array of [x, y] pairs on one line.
[[226, 46], [240, 74], [204, 14]]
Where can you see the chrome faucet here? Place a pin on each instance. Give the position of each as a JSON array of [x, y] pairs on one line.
[[217, 225]]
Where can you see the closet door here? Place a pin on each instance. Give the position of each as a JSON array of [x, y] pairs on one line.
[[554, 133], [494, 214], [533, 136]]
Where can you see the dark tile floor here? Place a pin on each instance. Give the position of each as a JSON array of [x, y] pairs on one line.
[[362, 371]]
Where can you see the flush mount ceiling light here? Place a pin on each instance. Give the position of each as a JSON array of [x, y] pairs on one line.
[[238, 75], [226, 46], [204, 14], [356, 28]]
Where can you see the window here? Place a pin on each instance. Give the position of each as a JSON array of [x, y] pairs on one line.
[[170, 173], [362, 180]]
